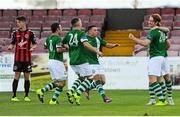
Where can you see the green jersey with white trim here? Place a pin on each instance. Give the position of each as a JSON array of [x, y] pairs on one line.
[[158, 45], [95, 42], [52, 43], [77, 52]]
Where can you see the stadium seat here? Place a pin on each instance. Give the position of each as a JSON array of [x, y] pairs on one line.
[[54, 12], [174, 47], [44, 34], [177, 17], [1, 13], [152, 11], [145, 25], [167, 17], [51, 18], [142, 53], [97, 19], [4, 34], [172, 53], [35, 26], [63, 33], [146, 17], [39, 12], [176, 25], [46, 26], [36, 19], [5, 26], [69, 12], [27, 13], [10, 13], [37, 34], [167, 23], [175, 41], [65, 25], [7, 19], [169, 11], [86, 12], [101, 12], [175, 33], [178, 12], [66, 18], [84, 18]]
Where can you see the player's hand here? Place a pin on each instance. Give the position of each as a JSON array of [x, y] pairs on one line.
[[116, 45], [136, 51], [131, 36], [100, 53]]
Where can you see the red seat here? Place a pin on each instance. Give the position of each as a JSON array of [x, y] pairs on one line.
[[177, 17], [172, 53], [175, 33], [84, 18], [69, 12], [176, 25], [174, 47], [5, 26], [36, 19], [55, 12], [142, 53], [10, 13], [36, 26], [65, 25], [152, 11], [178, 11], [66, 18], [101, 12], [169, 11], [86, 12], [167, 17], [7, 19], [27, 13], [1, 13], [146, 17], [4, 34], [145, 25], [63, 33], [47, 26], [51, 18], [167, 23], [44, 34], [37, 34], [175, 41], [97, 19], [39, 12]]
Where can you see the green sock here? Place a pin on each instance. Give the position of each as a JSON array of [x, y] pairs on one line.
[[163, 87], [57, 92], [48, 87], [100, 89], [84, 85], [169, 88], [76, 84]]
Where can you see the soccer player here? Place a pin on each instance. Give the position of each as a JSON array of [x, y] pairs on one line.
[[78, 60], [22, 40], [165, 85], [98, 71], [55, 65], [157, 42]]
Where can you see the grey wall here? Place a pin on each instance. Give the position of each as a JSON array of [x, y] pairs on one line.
[[125, 19]]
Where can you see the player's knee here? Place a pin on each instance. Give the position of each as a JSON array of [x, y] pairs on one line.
[[60, 83]]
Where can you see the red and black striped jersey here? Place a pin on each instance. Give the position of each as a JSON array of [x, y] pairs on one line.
[[22, 41]]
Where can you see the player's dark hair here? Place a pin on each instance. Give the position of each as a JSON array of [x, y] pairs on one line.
[[74, 21], [21, 18], [157, 19], [90, 27], [54, 27]]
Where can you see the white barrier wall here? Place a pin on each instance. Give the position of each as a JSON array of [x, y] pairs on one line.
[[128, 72]]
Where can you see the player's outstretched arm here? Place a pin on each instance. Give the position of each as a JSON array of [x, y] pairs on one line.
[[91, 48], [144, 42], [111, 45], [139, 50]]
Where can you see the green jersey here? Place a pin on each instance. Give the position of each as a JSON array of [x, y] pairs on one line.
[[77, 52], [53, 42], [158, 45], [95, 42]]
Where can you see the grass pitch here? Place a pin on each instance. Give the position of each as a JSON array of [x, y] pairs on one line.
[[125, 102]]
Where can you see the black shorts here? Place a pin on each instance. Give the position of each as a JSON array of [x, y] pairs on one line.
[[22, 67]]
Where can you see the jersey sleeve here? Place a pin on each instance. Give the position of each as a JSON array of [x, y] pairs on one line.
[[102, 41], [33, 38], [13, 37], [59, 43], [83, 37], [151, 35]]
